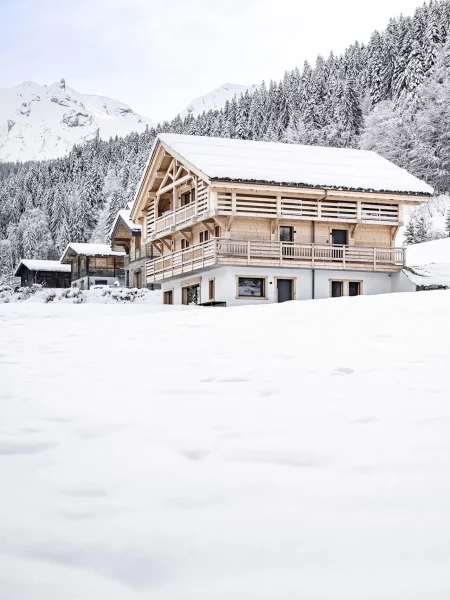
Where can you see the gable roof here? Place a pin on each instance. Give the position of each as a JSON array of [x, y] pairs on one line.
[[88, 250], [123, 216], [274, 163], [42, 265]]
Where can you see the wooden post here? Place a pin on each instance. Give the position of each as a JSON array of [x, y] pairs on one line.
[[358, 211], [374, 259], [174, 195], [196, 197], [343, 256], [278, 205], [248, 252], [233, 203]]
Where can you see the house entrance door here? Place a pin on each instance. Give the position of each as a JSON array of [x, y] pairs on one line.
[[284, 290]]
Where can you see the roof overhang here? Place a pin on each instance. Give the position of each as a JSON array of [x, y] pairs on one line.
[[320, 192]]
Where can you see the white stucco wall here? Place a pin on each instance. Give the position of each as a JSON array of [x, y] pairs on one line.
[[225, 283], [402, 283]]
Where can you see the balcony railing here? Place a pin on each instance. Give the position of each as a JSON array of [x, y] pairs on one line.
[[146, 251], [287, 207], [275, 254], [182, 215]]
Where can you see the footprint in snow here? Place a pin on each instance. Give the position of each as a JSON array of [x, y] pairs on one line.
[[342, 371]]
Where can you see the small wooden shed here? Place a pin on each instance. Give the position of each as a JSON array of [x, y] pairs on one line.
[[50, 273]]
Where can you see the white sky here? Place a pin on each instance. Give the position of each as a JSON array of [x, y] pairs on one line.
[[157, 55]]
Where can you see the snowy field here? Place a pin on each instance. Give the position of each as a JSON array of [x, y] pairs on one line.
[[284, 452]]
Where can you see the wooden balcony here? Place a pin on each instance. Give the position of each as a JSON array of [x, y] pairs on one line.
[[277, 207], [275, 254]]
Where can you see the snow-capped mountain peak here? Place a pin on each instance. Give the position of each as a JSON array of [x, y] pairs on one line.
[[215, 99], [39, 122]]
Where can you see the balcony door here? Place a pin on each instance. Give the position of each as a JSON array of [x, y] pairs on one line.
[[287, 237], [339, 237]]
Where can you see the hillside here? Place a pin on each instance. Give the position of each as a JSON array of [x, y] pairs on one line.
[[389, 96], [39, 122], [269, 464]]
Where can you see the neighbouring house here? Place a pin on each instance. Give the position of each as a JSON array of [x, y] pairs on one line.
[[240, 222], [126, 236], [50, 273], [94, 264]]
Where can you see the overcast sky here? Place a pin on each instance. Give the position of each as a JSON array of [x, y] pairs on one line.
[[157, 55]]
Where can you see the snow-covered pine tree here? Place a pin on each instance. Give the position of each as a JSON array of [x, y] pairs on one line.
[[410, 233]]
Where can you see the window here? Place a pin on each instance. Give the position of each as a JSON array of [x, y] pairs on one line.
[[251, 287], [345, 288], [184, 244], [339, 237], [191, 294], [212, 289], [337, 289], [204, 236], [286, 234], [217, 231], [185, 198], [354, 288], [168, 297], [188, 197]]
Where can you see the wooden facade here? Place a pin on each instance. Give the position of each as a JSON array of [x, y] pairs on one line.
[[94, 264], [48, 277]]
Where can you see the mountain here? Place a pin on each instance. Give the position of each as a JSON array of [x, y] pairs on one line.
[[39, 122], [216, 99]]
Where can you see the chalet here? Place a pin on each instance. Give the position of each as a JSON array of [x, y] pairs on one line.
[[50, 273], [239, 221], [94, 264], [126, 237]]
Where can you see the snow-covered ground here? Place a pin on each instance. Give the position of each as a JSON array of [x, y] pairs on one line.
[[278, 452]]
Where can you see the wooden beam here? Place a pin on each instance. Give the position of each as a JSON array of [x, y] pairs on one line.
[[353, 230], [187, 234], [394, 231], [166, 243], [210, 229], [174, 184], [273, 226], [157, 244]]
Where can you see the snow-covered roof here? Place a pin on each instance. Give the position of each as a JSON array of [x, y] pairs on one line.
[[89, 250], [292, 164], [42, 265], [124, 216], [434, 274]]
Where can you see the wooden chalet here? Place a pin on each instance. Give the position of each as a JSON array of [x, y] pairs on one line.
[[239, 221], [50, 273], [126, 237], [94, 264]]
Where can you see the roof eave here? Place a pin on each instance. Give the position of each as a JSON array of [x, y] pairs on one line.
[[215, 180]]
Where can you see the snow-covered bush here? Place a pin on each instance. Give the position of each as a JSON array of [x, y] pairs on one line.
[[50, 296]]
